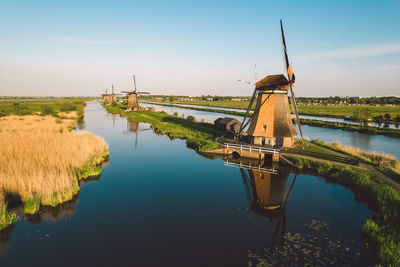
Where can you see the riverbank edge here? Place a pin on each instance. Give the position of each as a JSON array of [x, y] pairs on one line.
[[204, 138], [380, 231], [373, 130]]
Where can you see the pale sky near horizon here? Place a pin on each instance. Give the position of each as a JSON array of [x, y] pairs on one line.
[[79, 48]]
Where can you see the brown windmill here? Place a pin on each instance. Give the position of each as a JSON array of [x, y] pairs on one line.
[[271, 122], [106, 97], [113, 96], [133, 103]]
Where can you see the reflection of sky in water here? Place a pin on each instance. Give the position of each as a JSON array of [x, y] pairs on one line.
[[161, 203], [381, 143]]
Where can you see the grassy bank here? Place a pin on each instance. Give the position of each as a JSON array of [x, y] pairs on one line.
[[198, 135], [348, 127], [381, 230], [42, 160]]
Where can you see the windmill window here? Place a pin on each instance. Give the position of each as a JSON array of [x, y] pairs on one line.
[[264, 127]]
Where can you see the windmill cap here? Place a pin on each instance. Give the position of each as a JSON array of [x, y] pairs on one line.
[[271, 82]]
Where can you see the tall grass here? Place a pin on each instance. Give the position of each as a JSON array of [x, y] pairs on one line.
[[377, 158], [41, 157]]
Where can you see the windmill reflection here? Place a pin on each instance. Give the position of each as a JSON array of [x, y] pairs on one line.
[[133, 127], [267, 192]]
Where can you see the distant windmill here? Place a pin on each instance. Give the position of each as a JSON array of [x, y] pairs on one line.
[[271, 123], [113, 96], [133, 103], [106, 97], [133, 127]]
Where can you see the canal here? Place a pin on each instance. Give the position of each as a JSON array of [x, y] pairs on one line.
[[158, 202]]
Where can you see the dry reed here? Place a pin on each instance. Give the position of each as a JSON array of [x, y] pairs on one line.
[[380, 158], [39, 158]]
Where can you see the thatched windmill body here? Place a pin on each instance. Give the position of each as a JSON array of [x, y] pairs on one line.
[[113, 96], [133, 102], [271, 122], [106, 97]]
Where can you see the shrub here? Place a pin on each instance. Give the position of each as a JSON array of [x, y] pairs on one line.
[[191, 118], [65, 107], [47, 110]]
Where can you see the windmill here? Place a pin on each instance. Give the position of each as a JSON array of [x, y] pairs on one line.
[[271, 123], [133, 127], [113, 96], [133, 103], [106, 97]]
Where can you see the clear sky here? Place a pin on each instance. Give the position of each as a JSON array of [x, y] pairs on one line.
[[187, 47]]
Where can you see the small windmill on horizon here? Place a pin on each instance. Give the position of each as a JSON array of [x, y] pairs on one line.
[[133, 102], [271, 122], [106, 97], [113, 96]]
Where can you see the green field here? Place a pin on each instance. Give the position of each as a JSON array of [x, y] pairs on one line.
[[22, 108], [315, 110]]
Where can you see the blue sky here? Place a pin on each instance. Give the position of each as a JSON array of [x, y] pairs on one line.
[[197, 47]]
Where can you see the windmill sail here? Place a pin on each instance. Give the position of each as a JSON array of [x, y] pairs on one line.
[[291, 78]]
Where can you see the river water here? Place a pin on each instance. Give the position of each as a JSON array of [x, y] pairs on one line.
[[386, 144], [159, 203]]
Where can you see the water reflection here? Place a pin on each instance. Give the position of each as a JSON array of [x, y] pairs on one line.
[[267, 192], [133, 127]]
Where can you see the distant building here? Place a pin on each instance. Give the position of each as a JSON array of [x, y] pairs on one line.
[[227, 124]]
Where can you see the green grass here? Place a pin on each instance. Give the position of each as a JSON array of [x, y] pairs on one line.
[[200, 136], [357, 128], [31, 205], [6, 217], [381, 231]]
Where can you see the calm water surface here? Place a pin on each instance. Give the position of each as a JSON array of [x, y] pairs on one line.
[[159, 203]]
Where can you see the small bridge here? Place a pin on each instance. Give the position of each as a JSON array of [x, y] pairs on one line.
[[247, 151]]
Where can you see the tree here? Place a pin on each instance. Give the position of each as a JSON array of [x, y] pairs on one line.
[[171, 99], [361, 114]]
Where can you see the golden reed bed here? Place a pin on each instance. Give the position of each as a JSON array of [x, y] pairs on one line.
[[40, 156]]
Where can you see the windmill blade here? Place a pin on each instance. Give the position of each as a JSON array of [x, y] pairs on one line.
[[288, 192], [127, 92], [134, 81], [242, 81], [112, 89], [285, 55], [143, 93], [248, 109], [255, 73], [257, 110], [296, 111]]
